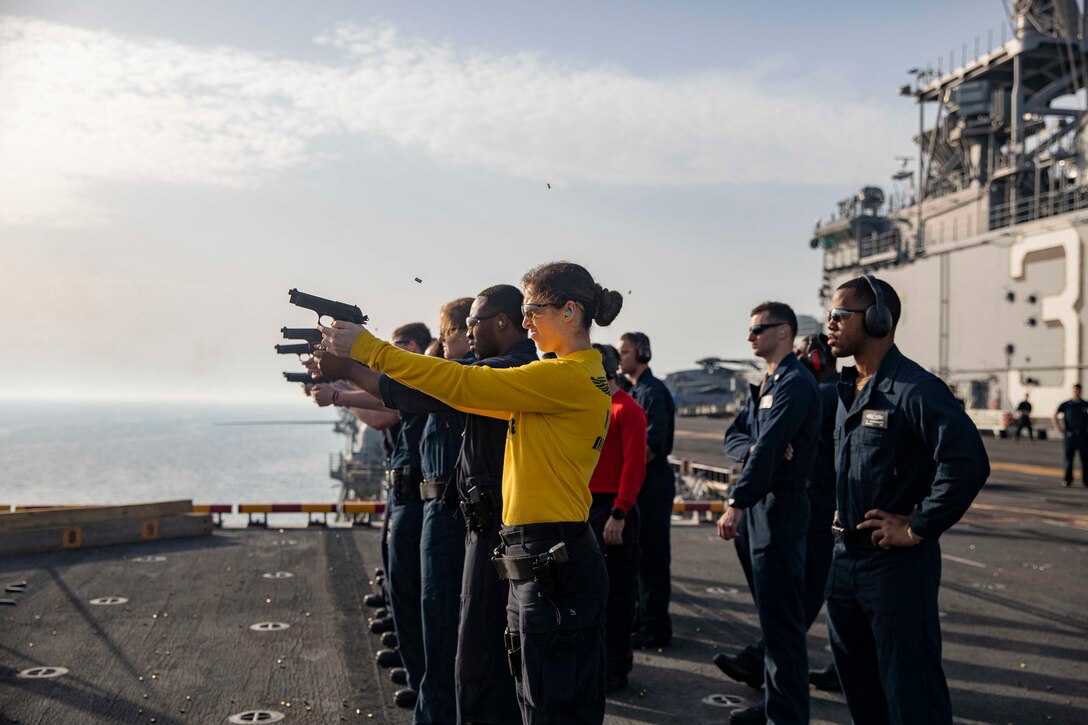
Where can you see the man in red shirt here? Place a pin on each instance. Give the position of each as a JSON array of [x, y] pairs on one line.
[[614, 517]]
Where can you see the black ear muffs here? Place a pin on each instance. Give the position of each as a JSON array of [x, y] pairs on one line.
[[643, 353], [878, 318], [817, 355]]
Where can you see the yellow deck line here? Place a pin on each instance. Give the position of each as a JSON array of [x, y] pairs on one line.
[[1029, 469], [1072, 518]]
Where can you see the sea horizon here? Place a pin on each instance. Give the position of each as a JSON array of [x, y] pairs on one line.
[[124, 451]]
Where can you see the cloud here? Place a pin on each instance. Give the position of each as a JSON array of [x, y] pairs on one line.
[[79, 106]]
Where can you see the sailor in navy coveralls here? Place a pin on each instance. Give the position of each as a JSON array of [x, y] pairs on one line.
[[776, 436], [909, 462]]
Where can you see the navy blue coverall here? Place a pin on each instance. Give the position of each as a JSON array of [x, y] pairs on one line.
[[655, 509], [905, 446], [772, 493], [1075, 438], [484, 685], [405, 527], [818, 542], [442, 558]]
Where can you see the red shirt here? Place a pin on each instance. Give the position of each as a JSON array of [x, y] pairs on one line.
[[622, 465]]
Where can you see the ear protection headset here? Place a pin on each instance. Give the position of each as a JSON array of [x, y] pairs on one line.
[[817, 356], [878, 318], [643, 353]]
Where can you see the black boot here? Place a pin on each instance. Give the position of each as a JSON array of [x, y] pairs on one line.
[[383, 625], [741, 667], [389, 658], [754, 715], [407, 697], [826, 679]]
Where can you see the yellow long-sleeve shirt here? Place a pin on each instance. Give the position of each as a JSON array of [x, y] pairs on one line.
[[558, 411]]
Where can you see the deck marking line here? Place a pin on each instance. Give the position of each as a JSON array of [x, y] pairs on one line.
[[1073, 518], [968, 562], [1029, 469]]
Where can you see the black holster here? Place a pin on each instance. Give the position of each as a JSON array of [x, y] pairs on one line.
[[481, 508], [552, 571], [431, 489], [404, 482], [513, 652]]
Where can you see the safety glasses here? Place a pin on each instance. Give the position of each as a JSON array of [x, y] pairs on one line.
[[475, 320], [533, 310], [760, 329], [839, 315]]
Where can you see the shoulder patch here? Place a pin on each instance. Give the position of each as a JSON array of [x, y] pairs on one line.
[[600, 383]]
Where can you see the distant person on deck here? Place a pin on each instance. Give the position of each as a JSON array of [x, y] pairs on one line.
[[614, 518], [655, 498], [1074, 429], [1024, 419]]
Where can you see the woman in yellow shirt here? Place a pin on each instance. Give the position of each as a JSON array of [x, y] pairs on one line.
[[558, 412]]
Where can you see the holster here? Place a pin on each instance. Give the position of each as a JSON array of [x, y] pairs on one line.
[[513, 652], [431, 489], [552, 571], [481, 507], [403, 482]]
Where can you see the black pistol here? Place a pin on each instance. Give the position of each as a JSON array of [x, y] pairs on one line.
[[310, 334], [300, 349], [328, 308], [305, 379]]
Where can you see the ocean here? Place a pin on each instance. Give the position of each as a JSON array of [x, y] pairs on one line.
[[125, 452]]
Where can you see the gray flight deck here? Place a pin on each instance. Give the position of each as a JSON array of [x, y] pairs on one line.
[[180, 650]]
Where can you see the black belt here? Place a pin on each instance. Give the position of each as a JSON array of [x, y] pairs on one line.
[[853, 538], [550, 563], [433, 488], [532, 533]]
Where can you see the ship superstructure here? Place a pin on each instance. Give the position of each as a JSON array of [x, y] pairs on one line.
[[983, 237]]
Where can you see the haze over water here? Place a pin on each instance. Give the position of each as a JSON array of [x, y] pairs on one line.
[[110, 452]]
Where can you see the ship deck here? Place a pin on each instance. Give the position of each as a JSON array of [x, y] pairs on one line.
[[181, 649]]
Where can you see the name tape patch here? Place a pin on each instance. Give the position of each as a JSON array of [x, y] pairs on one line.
[[875, 419]]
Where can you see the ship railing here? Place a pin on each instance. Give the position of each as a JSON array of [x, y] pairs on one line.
[[700, 489], [1039, 206]]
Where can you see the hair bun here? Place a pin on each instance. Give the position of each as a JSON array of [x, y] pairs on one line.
[[609, 304]]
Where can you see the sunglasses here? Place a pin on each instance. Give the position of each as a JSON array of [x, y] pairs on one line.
[[533, 310], [839, 315], [760, 329], [473, 321]]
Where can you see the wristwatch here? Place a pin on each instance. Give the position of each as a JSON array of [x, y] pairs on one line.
[[618, 513]]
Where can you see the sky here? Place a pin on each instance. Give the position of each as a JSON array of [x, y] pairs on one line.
[[168, 171]]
